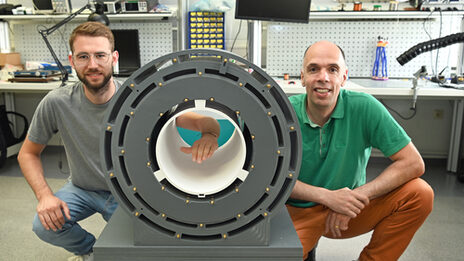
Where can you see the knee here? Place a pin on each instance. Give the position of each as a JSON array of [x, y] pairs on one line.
[[423, 194], [43, 233], [39, 229]]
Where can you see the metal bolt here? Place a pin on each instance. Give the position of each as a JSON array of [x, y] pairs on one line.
[[174, 60], [200, 73], [108, 128], [123, 151], [136, 214], [148, 164], [292, 128], [111, 174], [268, 85], [134, 189], [147, 139], [240, 84], [211, 99], [160, 84], [132, 85], [186, 100]]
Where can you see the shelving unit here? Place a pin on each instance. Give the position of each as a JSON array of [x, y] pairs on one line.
[[83, 17], [361, 15]]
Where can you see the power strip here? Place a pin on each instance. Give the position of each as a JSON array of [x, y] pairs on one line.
[[62, 6]]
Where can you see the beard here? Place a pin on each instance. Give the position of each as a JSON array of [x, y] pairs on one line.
[[98, 87]]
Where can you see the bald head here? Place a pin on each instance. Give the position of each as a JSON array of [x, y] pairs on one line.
[[326, 44]]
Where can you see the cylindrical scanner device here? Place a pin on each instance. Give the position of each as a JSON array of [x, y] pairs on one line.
[[226, 200], [357, 6]]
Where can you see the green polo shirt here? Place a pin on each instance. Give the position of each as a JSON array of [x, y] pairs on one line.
[[336, 155]]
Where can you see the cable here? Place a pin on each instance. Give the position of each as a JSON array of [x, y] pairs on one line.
[[397, 113], [429, 46], [438, 50], [236, 36], [430, 38], [247, 45]]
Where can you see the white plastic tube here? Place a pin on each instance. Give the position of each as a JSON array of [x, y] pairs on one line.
[[212, 175]]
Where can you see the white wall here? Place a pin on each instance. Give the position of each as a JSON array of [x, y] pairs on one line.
[[434, 141]]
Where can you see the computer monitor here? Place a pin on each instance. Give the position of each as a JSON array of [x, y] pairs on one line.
[[43, 6], [126, 42], [273, 10]]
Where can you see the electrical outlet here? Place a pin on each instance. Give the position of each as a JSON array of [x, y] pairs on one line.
[[438, 114]]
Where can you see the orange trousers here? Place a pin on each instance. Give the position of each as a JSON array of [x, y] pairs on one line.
[[394, 217]]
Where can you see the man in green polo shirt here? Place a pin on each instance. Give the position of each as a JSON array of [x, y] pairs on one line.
[[331, 197]]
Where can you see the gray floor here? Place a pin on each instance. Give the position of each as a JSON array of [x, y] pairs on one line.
[[440, 238]]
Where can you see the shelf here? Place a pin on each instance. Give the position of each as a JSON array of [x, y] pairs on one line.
[[354, 15], [83, 17]]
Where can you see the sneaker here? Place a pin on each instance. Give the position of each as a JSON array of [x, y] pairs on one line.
[[88, 257]]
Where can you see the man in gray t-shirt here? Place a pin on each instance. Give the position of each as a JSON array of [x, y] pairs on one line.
[[76, 111]]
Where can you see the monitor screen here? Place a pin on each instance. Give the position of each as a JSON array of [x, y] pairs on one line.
[[43, 6], [126, 42], [273, 10]]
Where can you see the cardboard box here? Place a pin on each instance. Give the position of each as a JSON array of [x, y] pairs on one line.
[[10, 58]]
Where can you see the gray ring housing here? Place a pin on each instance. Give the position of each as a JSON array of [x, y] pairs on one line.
[[231, 85]]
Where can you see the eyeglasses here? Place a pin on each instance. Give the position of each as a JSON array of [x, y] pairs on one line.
[[101, 58]]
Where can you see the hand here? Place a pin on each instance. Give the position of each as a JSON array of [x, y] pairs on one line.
[[50, 211], [335, 223], [203, 148], [346, 201]]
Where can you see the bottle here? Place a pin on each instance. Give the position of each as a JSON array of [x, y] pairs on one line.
[[393, 6]]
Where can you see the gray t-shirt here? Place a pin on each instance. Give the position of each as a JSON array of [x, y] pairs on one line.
[[68, 111]]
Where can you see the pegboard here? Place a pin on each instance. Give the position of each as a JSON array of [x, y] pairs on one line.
[[287, 42], [155, 40]]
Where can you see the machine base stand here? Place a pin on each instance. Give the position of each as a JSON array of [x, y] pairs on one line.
[[116, 242]]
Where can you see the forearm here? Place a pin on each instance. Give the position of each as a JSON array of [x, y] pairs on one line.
[[306, 192], [33, 172], [197, 122], [344, 201], [407, 165], [391, 178], [209, 125]]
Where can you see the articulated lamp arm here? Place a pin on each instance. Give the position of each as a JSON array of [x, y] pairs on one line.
[[100, 17]]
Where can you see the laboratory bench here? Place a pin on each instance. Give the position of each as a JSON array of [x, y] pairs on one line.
[[390, 89]]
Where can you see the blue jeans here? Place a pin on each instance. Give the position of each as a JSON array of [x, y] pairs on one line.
[[81, 204]]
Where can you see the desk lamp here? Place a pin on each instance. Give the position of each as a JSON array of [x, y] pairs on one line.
[[96, 15]]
